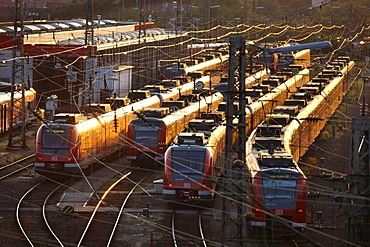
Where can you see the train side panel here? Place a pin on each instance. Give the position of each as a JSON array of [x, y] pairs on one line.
[[268, 102], [303, 132]]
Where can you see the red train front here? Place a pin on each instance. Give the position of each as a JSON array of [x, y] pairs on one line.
[[189, 173], [56, 149], [280, 195], [147, 139], [187, 167]]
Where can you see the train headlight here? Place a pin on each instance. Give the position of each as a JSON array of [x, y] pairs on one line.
[[170, 184], [39, 158], [299, 210]]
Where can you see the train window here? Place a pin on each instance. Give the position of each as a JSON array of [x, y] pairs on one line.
[[188, 164], [279, 188], [56, 138], [146, 135]]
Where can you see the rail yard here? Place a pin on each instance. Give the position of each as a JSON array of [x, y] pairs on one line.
[[244, 142]]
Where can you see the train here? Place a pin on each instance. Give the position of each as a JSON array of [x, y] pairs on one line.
[[178, 187], [277, 184], [189, 164], [325, 106], [208, 60], [283, 60], [155, 143], [69, 144], [279, 89], [72, 143], [5, 101], [150, 137]]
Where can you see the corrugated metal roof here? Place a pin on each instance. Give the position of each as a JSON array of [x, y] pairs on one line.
[[73, 24], [47, 26], [60, 26], [31, 28]]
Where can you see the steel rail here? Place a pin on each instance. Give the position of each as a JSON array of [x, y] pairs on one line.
[[44, 214], [18, 211], [97, 207], [121, 209], [201, 230]]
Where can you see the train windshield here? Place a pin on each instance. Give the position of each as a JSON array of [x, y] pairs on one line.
[[56, 138], [146, 135], [279, 188], [188, 165]]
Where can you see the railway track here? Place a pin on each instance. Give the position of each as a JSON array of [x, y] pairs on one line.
[[106, 224], [31, 215], [275, 236], [16, 167], [187, 236], [105, 216]]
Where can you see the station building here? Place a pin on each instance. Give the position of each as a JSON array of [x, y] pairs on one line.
[[59, 61]]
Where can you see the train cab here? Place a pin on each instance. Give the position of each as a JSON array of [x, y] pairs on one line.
[[280, 192], [56, 148]]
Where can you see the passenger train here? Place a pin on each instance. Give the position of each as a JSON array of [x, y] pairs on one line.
[[143, 141], [72, 147], [302, 133], [69, 148], [5, 101], [189, 166], [278, 185], [206, 62], [151, 136], [178, 158]]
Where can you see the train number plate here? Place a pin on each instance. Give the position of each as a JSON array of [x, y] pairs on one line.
[[186, 185], [54, 158], [279, 212]]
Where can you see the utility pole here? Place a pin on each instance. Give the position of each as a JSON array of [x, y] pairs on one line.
[[89, 30], [142, 23], [234, 185], [359, 182], [17, 107], [89, 42]]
